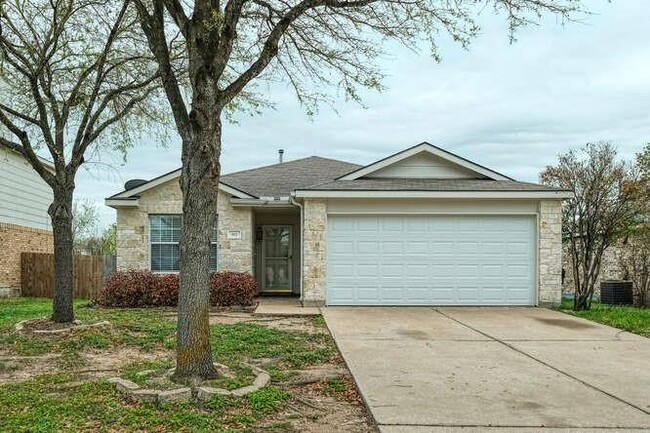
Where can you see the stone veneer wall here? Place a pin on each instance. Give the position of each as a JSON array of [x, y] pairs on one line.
[[133, 247], [550, 252], [610, 267], [314, 260], [14, 240]]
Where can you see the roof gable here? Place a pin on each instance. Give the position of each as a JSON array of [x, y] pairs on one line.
[[423, 165], [425, 161], [134, 192]]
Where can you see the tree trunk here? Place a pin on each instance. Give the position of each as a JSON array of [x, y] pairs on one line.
[[581, 301], [61, 215], [200, 186]]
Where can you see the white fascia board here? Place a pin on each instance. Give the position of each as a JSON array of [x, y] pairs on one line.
[[115, 203], [151, 184], [260, 202], [558, 195], [234, 191], [424, 147], [171, 176]]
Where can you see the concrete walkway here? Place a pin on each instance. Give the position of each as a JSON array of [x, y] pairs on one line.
[[277, 306], [493, 369]]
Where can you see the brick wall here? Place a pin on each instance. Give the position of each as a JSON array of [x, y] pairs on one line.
[[15, 239]]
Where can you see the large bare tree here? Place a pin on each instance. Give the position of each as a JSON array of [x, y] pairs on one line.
[[232, 45], [74, 79], [605, 206]]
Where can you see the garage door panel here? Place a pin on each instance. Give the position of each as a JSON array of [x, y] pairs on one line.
[[367, 225], [392, 225], [337, 246], [338, 271], [418, 225], [496, 248], [417, 271], [443, 270], [495, 271], [417, 247], [392, 247], [365, 246], [431, 260], [493, 293], [367, 270], [517, 248], [444, 293]]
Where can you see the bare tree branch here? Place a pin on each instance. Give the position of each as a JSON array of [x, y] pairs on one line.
[[154, 28]]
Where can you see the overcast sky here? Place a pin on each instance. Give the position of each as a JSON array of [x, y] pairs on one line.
[[512, 108]]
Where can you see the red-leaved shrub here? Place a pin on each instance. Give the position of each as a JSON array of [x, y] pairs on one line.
[[128, 289], [165, 292], [146, 289], [232, 288]]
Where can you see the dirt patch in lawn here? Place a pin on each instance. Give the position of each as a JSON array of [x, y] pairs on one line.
[[285, 323], [324, 407], [332, 404], [93, 364]]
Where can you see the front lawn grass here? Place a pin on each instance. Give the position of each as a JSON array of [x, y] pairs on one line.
[[628, 318], [58, 403], [142, 328], [61, 400]]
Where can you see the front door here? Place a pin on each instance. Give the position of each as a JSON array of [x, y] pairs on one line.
[[276, 258]]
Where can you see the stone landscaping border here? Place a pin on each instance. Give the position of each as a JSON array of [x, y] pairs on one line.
[[76, 325], [184, 394]]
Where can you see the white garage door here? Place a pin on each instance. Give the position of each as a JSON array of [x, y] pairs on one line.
[[431, 260]]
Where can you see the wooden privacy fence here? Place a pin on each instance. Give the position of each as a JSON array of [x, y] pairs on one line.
[[89, 274]]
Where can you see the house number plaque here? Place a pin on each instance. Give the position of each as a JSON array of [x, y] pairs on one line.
[[234, 234]]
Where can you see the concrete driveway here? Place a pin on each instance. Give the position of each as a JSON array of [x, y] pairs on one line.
[[493, 369]]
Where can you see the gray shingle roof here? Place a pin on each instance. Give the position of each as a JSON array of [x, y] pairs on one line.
[[279, 180], [428, 185]]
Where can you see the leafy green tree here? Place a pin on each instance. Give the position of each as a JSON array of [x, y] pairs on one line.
[[85, 219], [109, 240], [643, 164], [635, 259], [605, 204], [74, 80]]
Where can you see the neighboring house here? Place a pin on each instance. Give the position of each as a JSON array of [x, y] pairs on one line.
[[24, 222], [610, 267], [420, 227]]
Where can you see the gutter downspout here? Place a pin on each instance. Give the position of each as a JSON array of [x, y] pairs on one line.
[[293, 201]]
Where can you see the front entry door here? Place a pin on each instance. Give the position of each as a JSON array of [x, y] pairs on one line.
[[276, 258]]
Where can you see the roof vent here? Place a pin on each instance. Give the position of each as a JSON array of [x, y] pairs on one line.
[[134, 183], [280, 155]]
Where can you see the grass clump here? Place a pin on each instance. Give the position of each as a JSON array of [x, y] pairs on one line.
[[626, 317]]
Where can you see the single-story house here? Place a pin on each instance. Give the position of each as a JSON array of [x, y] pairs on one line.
[[420, 227]]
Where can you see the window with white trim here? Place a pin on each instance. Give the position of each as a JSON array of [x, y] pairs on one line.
[[164, 236]]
